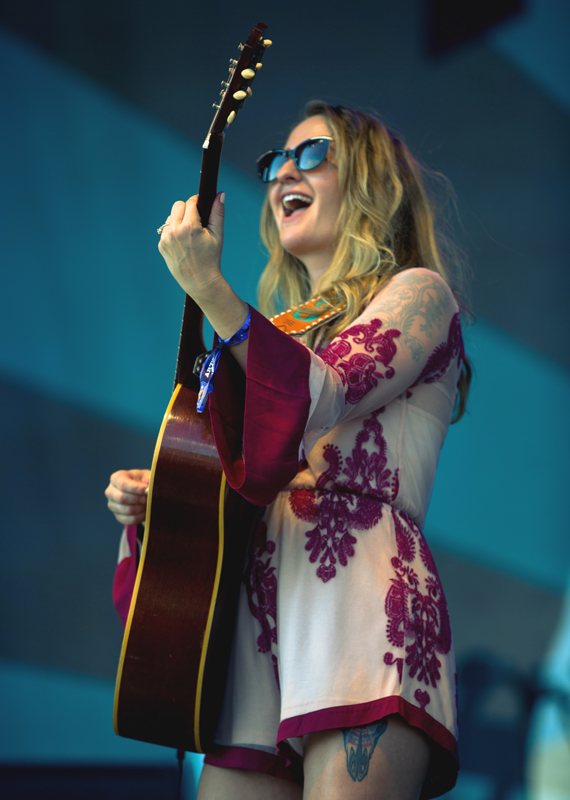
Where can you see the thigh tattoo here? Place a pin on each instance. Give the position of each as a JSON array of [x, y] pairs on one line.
[[359, 744]]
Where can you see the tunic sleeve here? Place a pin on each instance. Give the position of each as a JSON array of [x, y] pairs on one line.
[[258, 427], [126, 572], [265, 422]]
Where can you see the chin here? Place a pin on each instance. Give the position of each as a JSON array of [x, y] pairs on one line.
[[298, 244], [293, 247]]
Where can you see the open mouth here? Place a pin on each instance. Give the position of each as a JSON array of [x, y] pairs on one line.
[[295, 202]]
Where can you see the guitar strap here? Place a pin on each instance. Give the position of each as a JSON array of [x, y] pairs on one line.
[[299, 320]]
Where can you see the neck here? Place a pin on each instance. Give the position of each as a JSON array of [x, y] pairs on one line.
[[316, 265]]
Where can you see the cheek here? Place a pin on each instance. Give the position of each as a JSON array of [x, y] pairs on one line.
[[333, 210], [332, 194], [273, 202]]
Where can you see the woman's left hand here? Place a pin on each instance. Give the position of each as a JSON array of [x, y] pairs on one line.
[[193, 253]]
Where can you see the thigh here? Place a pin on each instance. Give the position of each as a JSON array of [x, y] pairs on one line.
[[219, 783], [386, 760]]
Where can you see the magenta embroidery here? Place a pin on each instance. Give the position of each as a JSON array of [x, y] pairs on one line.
[[348, 496], [261, 587], [359, 371], [439, 361], [416, 616], [423, 698], [399, 662]]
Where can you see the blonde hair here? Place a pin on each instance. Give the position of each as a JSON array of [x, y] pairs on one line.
[[386, 225]]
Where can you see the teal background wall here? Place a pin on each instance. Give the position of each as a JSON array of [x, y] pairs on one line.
[[90, 312], [54, 717], [500, 491]]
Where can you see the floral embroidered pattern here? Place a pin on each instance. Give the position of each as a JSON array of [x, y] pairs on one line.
[[423, 698], [439, 361], [359, 371], [399, 662], [261, 587], [413, 616], [348, 496]]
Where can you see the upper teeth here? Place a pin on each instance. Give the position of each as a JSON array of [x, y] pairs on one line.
[[289, 198]]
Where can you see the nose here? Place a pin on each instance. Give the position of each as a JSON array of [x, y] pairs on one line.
[[288, 171]]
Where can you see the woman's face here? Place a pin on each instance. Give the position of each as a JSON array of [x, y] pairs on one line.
[[309, 231]]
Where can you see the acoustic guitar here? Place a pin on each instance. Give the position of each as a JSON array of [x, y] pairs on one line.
[[175, 653]]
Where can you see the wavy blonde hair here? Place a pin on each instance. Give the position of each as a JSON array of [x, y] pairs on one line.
[[386, 225]]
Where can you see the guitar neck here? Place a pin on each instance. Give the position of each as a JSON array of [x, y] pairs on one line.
[[191, 343], [237, 89], [211, 158]]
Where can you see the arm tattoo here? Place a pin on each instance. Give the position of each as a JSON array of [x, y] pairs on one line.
[[359, 744], [422, 298]]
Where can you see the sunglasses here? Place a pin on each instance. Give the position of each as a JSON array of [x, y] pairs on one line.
[[308, 155]]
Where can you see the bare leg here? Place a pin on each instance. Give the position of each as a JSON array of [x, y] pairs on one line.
[[376, 762], [218, 783]]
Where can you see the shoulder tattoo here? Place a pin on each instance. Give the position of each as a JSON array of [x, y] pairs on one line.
[[417, 306]]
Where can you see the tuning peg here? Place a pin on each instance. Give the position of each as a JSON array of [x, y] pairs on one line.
[[241, 94], [248, 74], [225, 84], [240, 46], [258, 66], [267, 42], [231, 117], [233, 63], [216, 105]]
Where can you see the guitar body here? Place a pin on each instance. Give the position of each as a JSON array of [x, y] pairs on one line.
[[178, 637]]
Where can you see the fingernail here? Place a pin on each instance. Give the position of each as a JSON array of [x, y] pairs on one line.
[[146, 490], [223, 198]]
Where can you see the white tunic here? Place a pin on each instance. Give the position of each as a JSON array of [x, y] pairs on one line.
[[342, 617]]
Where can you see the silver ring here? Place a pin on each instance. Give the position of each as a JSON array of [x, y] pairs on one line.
[[162, 227]]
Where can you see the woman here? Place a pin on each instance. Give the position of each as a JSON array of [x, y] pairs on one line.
[[342, 666]]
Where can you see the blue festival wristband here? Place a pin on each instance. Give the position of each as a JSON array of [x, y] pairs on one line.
[[212, 360]]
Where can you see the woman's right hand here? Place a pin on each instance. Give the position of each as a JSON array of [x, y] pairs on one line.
[[127, 495]]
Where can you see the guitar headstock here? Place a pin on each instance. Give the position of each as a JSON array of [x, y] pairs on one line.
[[237, 86]]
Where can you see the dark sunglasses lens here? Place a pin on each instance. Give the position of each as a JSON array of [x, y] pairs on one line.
[[308, 155], [311, 154], [270, 165]]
